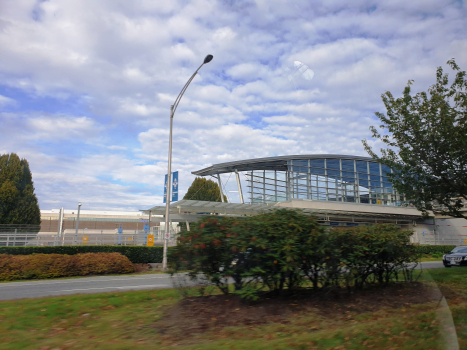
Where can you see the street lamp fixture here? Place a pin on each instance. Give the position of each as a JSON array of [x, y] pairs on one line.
[[173, 108]]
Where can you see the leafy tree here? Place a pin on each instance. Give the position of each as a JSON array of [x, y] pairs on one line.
[[18, 203], [426, 136], [204, 190]]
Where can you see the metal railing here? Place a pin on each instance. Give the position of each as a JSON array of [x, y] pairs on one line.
[[84, 237]]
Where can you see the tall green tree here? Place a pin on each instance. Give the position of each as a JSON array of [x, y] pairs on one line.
[[426, 140], [204, 190], [18, 203]]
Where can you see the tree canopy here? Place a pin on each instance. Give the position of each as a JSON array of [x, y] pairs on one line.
[[426, 140], [204, 190], [18, 203]]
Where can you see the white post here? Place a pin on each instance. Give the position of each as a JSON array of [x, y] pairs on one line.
[[239, 185], [220, 187], [187, 226], [61, 231], [59, 222]]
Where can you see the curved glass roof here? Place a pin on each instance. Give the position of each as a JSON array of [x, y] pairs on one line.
[[278, 163]]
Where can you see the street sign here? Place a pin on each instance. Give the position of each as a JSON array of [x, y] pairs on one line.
[[150, 240], [167, 235], [146, 228], [85, 239]]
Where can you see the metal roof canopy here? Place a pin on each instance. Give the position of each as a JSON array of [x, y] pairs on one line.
[[192, 209], [278, 163]]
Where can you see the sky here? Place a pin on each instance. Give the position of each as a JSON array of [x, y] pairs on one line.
[[86, 86]]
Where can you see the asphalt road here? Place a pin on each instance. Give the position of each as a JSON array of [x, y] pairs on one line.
[[85, 285], [101, 284]]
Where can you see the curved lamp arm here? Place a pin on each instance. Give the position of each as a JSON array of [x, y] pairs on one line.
[[180, 95]]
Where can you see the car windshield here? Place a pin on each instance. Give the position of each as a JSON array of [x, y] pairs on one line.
[[459, 250]]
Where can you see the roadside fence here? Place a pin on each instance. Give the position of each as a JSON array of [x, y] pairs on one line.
[[87, 237]]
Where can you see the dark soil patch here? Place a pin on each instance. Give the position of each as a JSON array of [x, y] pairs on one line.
[[142, 268], [201, 314]]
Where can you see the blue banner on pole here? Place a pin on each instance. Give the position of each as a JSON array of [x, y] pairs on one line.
[[174, 187], [165, 188]]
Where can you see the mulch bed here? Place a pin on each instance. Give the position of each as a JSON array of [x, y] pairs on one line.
[[139, 268], [201, 314]]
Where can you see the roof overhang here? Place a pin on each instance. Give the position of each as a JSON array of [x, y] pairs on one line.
[[191, 210], [278, 163]]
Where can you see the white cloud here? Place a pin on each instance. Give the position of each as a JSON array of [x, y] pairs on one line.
[[5, 101], [88, 85]]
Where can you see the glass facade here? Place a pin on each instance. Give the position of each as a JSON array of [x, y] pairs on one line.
[[326, 179]]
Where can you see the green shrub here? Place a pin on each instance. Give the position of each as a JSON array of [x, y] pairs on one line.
[[15, 267], [376, 253], [276, 251], [432, 249], [136, 254]]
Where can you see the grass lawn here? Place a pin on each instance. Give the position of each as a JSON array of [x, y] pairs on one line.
[[429, 258], [129, 320]]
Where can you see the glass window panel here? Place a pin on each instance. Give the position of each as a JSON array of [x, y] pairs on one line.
[[386, 184], [346, 174], [364, 200], [375, 178], [374, 168], [300, 162], [375, 184], [363, 183], [300, 169], [361, 166], [347, 165], [333, 164], [363, 176], [317, 163], [385, 169], [317, 171], [385, 179], [346, 179], [334, 173]]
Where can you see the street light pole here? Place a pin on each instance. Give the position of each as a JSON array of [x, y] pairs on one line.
[[77, 223], [173, 108]]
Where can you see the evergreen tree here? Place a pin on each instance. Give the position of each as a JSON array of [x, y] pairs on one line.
[[18, 203], [204, 190]]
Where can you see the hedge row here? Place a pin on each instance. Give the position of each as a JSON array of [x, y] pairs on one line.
[[136, 254], [433, 249], [17, 267], [272, 253]]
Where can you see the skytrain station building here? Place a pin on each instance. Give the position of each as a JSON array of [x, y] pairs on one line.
[[339, 190]]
